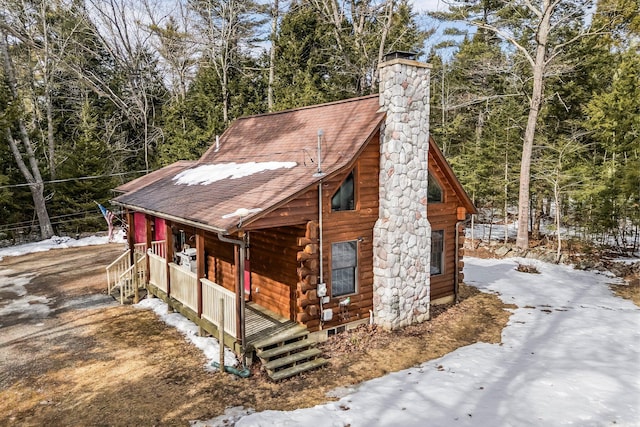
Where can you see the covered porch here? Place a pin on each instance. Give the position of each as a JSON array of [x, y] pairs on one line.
[[206, 276], [248, 328], [211, 306]]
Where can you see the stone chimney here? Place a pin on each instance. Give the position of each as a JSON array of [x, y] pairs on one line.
[[402, 233]]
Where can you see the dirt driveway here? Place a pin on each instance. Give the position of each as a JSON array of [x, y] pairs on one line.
[[70, 355]]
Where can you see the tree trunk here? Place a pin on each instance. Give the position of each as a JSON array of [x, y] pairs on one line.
[[522, 241], [50, 138], [556, 194], [272, 54], [31, 173], [46, 75], [535, 231], [225, 95]]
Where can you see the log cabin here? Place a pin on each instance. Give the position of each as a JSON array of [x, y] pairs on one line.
[[309, 220]]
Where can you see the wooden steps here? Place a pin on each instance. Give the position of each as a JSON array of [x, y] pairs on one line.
[[128, 297], [289, 353], [297, 369]]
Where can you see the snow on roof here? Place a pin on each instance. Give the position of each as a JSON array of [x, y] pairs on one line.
[[242, 212], [208, 174]]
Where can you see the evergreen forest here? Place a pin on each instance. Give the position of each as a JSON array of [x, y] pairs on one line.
[[535, 103]]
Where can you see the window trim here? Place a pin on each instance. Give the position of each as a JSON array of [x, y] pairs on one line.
[[442, 252], [356, 268], [431, 178], [354, 174]]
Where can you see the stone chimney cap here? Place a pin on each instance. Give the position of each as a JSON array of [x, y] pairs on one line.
[[397, 54]]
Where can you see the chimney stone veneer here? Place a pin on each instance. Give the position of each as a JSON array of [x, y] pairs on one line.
[[402, 233]]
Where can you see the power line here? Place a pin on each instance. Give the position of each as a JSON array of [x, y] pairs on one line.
[[81, 178]]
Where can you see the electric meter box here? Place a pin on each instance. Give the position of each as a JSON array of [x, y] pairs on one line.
[[188, 259], [322, 289]]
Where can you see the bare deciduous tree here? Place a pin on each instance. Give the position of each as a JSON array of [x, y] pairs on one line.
[[22, 146], [540, 31], [225, 28]]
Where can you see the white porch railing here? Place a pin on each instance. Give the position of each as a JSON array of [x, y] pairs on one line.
[[157, 271], [159, 248], [184, 286], [140, 248], [211, 294]]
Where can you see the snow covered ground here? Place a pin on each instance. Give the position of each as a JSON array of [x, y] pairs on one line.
[[58, 243], [570, 355]]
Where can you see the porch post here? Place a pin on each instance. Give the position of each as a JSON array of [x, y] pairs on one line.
[[239, 247], [169, 254], [200, 266], [149, 237], [131, 235], [236, 264], [242, 249]]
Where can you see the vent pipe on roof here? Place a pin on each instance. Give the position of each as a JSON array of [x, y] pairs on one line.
[[217, 143], [320, 134], [320, 174]]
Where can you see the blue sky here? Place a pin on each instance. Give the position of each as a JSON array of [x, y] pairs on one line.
[[427, 5]]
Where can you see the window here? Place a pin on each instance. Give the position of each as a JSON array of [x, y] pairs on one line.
[[434, 191], [437, 252], [344, 263], [344, 199]]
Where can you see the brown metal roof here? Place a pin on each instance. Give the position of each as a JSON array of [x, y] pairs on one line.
[[140, 182], [287, 136]]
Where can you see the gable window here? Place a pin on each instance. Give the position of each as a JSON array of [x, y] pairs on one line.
[[344, 267], [343, 199], [437, 252], [434, 191]]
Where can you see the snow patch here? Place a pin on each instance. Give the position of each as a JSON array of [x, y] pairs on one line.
[[230, 416], [25, 306], [569, 356], [14, 284], [57, 242], [241, 213], [208, 174], [208, 345]]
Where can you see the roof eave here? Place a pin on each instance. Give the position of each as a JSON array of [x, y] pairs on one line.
[[200, 225]]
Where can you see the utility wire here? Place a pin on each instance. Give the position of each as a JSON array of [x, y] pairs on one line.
[[81, 178], [68, 217]]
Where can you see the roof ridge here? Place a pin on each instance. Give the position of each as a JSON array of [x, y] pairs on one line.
[[309, 107]]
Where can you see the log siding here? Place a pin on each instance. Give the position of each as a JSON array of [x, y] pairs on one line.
[[443, 216]]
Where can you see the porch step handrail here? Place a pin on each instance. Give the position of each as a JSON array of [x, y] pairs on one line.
[[129, 277], [116, 269], [140, 248]]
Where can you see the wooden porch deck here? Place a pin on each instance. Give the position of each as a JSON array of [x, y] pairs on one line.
[[262, 325]]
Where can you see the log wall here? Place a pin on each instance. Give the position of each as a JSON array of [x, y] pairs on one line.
[[220, 264], [357, 225], [272, 256], [443, 216]]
